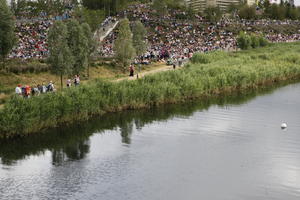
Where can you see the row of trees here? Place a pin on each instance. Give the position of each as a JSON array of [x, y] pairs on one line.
[[130, 43], [71, 45]]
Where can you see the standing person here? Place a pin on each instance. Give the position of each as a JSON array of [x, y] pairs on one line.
[[44, 88], [40, 88], [50, 87], [35, 91], [19, 90], [69, 84], [180, 62], [131, 70], [27, 91], [23, 88], [76, 80]]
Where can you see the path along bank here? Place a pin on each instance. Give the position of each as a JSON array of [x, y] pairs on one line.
[[209, 75]]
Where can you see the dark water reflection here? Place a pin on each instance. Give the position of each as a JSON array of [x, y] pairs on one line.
[[72, 142], [224, 148]]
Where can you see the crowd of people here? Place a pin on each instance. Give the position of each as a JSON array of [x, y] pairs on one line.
[[27, 91], [172, 38], [169, 36], [32, 39]]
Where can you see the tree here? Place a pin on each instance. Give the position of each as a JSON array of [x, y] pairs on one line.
[[139, 38], [111, 7], [213, 14], [277, 12], [61, 59], [93, 17], [7, 35], [247, 12], [78, 44], [160, 6], [175, 4], [91, 45], [124, 49], [13, 6]]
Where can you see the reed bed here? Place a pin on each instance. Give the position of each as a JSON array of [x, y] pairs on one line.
[[207, 75]]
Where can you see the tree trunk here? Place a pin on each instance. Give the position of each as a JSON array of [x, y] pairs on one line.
[[88, 71], [3, 63], [124, 68], [61, 81]]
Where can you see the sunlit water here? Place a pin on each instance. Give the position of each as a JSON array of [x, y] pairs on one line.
[[228, 149]]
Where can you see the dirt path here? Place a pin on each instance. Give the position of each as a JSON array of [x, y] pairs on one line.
[[153, 71]]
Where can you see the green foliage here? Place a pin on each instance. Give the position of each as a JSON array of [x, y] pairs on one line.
[[78, 44], [263, 41], [29, 66], [61, 59], [175, 4], [255, 41], [213, 14], [110, 7], [160, 6], [139, 38], [244, 41], [247, 12], [199, 58], [89, 36], [124, 49], [224, 72], [34, 8], [93, 17], [91, 45], [7, 26]]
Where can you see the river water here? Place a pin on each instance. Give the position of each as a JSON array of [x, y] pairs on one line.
[[230, 148]]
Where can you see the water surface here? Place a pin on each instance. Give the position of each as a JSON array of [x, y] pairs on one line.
[[229, 148]]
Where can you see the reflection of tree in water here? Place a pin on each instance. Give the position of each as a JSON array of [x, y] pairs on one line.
[[75, 151], [72, 142], [126, 131]]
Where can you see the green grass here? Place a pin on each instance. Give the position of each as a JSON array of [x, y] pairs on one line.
[[221, 72]]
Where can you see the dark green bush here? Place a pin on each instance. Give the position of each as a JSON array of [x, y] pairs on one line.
[[199, 58], [263, 41], [20, 66], [244, 41], [254, 41]]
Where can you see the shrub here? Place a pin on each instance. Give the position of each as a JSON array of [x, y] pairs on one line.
[[244, 41], [33, 66], [254, 41], [199, 58], [263, 41]]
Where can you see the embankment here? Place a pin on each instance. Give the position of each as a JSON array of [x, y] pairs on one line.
[[209, 75]]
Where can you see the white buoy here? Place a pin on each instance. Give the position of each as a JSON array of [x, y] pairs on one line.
[[283, 125]]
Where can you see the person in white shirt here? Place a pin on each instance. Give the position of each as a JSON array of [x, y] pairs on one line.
[[19, 90]]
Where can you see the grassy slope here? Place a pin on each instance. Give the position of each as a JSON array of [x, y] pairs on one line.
[[221, 72], [9, 81]]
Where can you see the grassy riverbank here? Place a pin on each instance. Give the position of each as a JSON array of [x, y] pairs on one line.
[[9, 80], [218, 72]]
